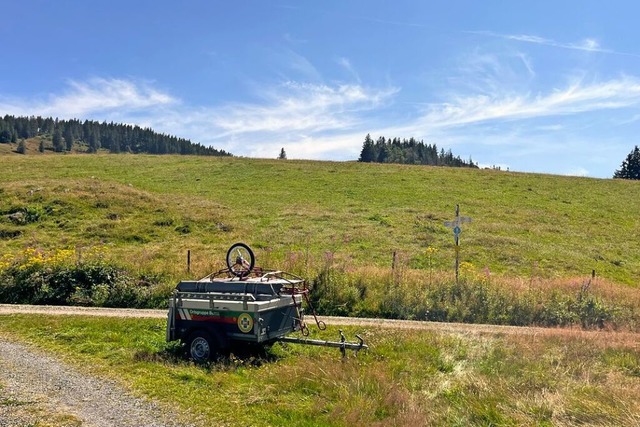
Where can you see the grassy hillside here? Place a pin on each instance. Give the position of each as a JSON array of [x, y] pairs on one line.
[[148, 210]]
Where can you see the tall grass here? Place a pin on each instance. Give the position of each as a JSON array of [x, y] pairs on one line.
[[475, 298]]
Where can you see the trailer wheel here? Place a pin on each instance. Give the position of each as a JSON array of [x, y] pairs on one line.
[[201, 347]]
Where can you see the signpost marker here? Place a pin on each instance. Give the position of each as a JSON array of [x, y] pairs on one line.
[[455, 225]]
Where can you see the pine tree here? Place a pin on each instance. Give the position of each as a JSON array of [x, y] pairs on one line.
[[94, 141], [68, 137], [58, 146], [5, 136], [368, 153], [283, 155], [630, 168], [22, 148]]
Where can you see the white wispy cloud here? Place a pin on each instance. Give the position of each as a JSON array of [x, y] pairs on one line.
[[588, 44], [346, 64], [573, 99], [302, 65], [489, 73], [526, 61], [579, 171], [290, 38], [300, 107], [97, 95]]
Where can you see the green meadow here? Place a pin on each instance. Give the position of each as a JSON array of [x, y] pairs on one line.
[[160, 206], [535, 237]]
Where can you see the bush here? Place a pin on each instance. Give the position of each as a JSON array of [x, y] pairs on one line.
[[333, 295], [56, 278], [24, 215]]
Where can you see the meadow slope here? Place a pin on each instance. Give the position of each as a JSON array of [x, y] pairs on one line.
[[148, 210]]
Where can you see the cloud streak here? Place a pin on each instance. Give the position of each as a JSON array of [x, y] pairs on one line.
[[586, 45], [574, 99], [97, 95], [301, 107]]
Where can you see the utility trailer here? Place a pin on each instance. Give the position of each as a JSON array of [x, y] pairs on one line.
[[242, 306]]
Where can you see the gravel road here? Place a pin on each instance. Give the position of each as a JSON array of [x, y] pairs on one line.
[[50, 389], [455, 328], [29, 378]]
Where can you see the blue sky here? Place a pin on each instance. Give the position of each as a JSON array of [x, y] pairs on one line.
[[535, 86]]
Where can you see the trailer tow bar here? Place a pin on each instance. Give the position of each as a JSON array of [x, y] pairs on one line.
[[343, 345]]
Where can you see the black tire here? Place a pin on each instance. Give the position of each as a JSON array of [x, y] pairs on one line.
[[201, 347], [240, 260]]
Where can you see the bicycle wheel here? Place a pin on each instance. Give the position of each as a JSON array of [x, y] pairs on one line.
[[240, 260]]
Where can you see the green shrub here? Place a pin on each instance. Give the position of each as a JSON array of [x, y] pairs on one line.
[[39, 278], [24, 215], [332, 294]]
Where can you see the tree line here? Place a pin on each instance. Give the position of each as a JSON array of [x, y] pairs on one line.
[[94, 135], [409, 151]]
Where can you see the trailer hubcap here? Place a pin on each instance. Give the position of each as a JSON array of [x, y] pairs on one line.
[[200, 349]]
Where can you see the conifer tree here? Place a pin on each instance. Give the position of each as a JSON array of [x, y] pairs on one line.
[[68, 137], [94, 141], [368, 153], [283, 154], [22, 148], [630, 168], [58, 146], [5, 136]]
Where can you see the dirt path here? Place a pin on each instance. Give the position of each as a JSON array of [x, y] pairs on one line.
[[34, 386], [455, 328], [40, 390]]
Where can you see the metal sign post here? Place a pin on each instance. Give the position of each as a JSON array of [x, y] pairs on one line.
[[455, 225]]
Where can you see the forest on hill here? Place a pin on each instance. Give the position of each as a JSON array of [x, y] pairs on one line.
[[94, 136], [409, 151]]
